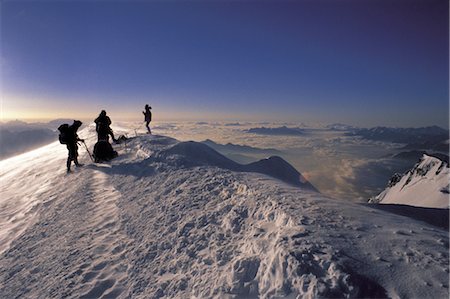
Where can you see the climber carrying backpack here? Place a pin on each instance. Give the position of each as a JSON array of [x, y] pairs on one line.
[[68, 136]]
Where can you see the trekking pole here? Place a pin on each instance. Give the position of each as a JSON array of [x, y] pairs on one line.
[[125, 142], [135, 130], [88, 151]]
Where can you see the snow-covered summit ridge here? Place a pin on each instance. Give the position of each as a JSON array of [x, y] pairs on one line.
[[148, 225], [425, 185]]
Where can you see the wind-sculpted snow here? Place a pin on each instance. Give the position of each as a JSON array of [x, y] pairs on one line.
[[13, 143], [156, 223]]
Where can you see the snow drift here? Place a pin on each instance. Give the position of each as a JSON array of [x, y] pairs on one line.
[[425, 185], [177, 220]]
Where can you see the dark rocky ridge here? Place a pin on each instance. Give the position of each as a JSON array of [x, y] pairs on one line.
[[191, 154]]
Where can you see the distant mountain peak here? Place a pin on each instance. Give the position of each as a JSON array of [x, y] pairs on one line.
[[340, 127], [231, 147], [425, 185], [283, 130]]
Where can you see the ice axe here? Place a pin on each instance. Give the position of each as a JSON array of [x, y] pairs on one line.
[[88, 150]]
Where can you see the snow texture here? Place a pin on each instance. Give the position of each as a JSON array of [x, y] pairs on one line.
[[425, 185], [175, 220]]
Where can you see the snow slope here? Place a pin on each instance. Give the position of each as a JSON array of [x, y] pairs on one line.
[[157, 223], [425, 185]]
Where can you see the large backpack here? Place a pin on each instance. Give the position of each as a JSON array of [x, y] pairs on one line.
[[63, 133], [103, 151]]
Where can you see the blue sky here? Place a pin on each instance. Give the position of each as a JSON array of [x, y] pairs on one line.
[[358, 62]]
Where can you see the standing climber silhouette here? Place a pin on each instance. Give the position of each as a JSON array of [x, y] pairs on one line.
[[147, 117], [69, 137], [102, 126]]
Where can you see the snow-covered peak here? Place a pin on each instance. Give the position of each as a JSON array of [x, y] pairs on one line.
[[277, 167], [191, 153], [425, 185]]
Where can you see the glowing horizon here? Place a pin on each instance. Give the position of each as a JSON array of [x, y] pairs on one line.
[[364, 64], [42, 110]]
